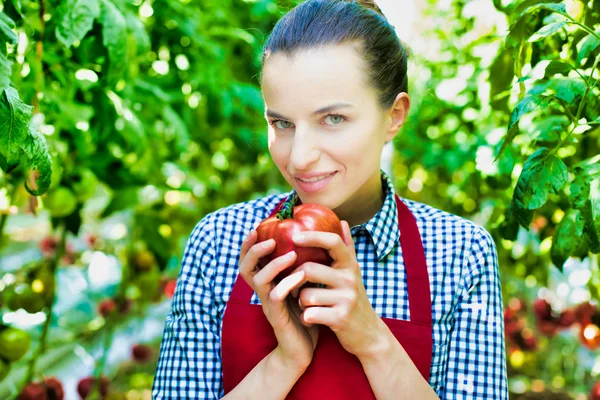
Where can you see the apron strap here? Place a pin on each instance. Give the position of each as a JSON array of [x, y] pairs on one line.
[[419, 297]]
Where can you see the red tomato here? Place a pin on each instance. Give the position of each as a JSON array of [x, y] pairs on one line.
[[595, 392], [305, 217], [542, 310], [567, 318], [54, 388], [584, 312], [589, 335]]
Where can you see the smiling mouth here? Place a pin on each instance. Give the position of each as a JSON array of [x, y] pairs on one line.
[[315, 179]]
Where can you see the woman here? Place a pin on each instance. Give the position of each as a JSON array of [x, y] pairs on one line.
[[411, 306]]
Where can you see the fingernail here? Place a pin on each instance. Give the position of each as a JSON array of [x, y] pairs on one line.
[[268, 243], [289, 255], [298, 237]]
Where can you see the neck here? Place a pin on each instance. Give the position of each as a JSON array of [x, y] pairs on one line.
[[364, 204]]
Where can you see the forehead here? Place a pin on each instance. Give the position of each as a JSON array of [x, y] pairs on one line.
[[329, 73]]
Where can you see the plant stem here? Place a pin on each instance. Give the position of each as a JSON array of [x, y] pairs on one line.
[[580, 107], [574, 21], [60, 250], [109, 334]]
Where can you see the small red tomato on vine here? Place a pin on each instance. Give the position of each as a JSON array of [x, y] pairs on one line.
[[141, 353], [54, 389], [34, 391], [169, 288], [584, 312], [106, 307], [48, 246], [595, 392], [293, 219], [85, 386], [589, 335], [566, 318], [542, 310]]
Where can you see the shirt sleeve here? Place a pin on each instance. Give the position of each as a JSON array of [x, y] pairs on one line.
[[477, 358], [189, 363]]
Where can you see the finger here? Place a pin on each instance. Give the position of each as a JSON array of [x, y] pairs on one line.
[[347, 236], [320, 315], [312, 297], [282, 290], [248, 243], [319, 273], [265, 276], [249, 262], [329, 241]]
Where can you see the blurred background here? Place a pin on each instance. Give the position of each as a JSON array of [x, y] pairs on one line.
[[122, 123]]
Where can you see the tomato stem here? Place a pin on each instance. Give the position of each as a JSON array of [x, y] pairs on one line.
[[287, 210]]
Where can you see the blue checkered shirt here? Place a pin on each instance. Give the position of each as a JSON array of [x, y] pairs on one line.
[[468, 335]]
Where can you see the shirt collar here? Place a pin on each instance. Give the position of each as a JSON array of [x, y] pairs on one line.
[[383, 226]]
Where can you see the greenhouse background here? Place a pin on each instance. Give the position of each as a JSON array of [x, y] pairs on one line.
[[124, 122]]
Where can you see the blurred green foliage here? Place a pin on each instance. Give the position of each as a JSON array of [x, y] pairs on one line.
[[155, 108]]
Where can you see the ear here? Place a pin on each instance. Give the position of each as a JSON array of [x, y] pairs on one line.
[[397, 115]]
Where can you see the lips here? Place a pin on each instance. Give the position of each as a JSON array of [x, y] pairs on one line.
[[314, 183]]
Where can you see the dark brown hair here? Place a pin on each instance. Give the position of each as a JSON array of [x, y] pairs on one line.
[[316, 23]]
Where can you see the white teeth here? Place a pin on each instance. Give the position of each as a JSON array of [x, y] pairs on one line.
[[316, 178]]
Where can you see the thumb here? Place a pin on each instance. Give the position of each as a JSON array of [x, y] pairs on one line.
[[347, 235]]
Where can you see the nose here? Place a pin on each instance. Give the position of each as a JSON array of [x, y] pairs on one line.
[[306, 149]]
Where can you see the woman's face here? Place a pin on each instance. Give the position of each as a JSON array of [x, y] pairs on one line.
[[324, 119]]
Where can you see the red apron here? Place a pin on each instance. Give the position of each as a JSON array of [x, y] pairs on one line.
[[333, 374]]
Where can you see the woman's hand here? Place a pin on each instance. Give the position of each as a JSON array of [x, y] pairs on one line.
[[296, 342], [343, 304]]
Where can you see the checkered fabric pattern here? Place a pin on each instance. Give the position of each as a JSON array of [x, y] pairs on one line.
[[468, 328]]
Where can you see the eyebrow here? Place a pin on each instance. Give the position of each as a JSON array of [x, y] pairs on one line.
[[323, 110]]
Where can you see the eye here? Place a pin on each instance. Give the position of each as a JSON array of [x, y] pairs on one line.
[[280, 124], [335, 119]]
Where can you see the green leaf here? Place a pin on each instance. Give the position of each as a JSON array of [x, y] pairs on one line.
[[542, 174], [6, 31], [3, 163], [501, 76], [549, 129], [522, 215], [554, 7], [557, 67], [586, 46], [76, 20], [568, 90], [580, 189], [114, 38], [568, 237], [525, 106], [5, 72], [153, 89], [592, 216], [14, 124], [506, 163], [525, 4], [139, 32], [178, 128], [17, 5], [547, 30], [121, 200], [37, 157], [528, 104]]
